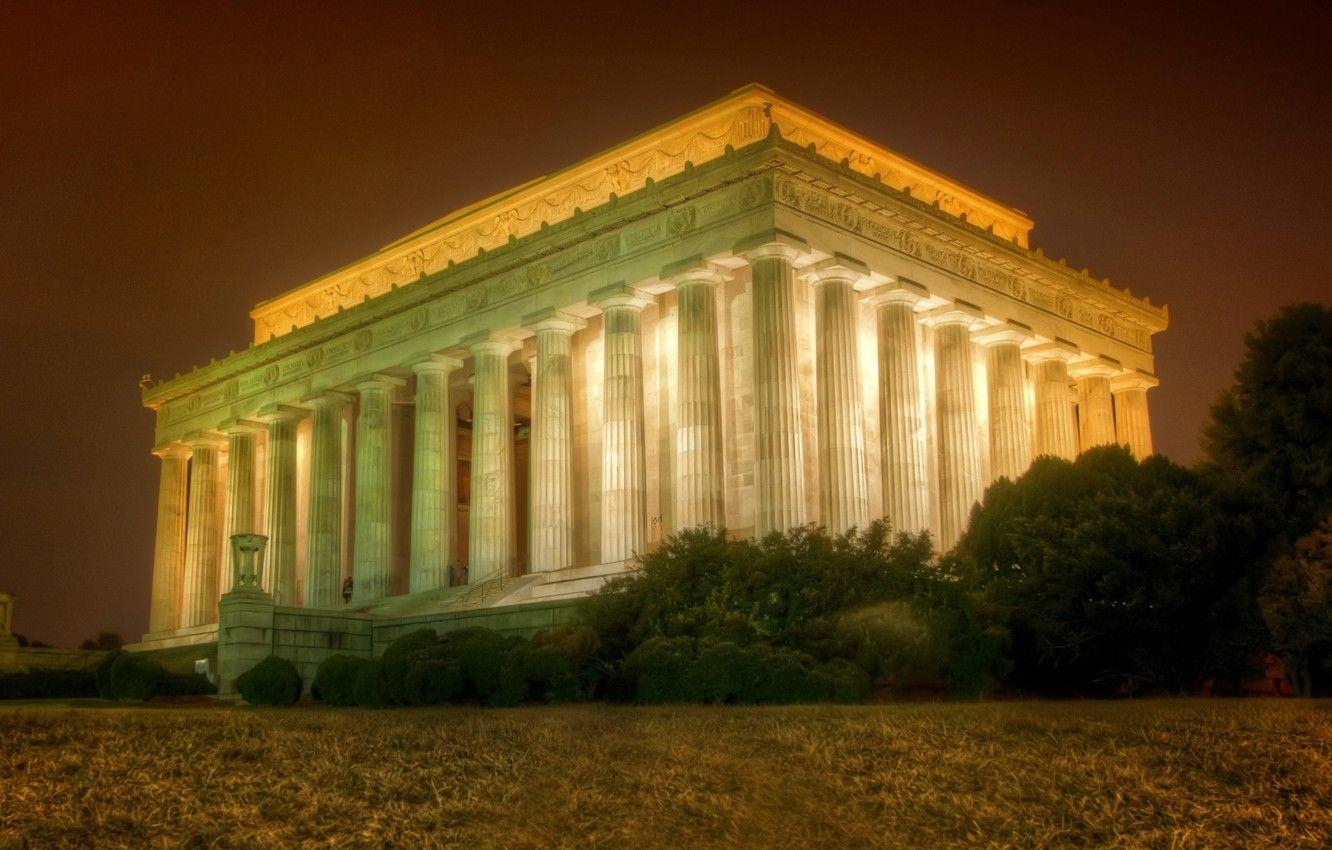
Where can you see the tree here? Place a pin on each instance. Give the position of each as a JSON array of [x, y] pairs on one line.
[[1115, 575], [106, 641], [1297, 604], [1274, 426]]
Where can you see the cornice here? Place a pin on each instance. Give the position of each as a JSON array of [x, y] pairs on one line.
[[749, 115]]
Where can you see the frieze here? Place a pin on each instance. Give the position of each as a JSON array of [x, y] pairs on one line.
[[828, 207]]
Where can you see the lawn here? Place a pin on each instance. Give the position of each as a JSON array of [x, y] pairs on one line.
[[1165, 773]]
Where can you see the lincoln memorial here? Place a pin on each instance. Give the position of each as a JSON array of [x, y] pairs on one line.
[[748, 317]]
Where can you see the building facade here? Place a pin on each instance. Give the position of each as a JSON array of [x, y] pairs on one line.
[[748, 317]]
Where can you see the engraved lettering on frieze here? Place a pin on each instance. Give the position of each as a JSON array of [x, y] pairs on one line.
[[643, 235]]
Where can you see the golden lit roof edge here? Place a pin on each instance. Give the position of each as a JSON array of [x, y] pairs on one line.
[[743, 117]]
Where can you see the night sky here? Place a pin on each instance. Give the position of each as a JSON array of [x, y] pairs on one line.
[[165, 167]]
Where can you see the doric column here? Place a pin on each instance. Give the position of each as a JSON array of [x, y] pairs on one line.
[[906, 485], [169, 551], [1096, 415], [1056, 431], [280, 502], [779, 465], [550, 462], [1133, 427], [491, 535], [433, 457], [1010, 438], [202, 536], [960, 482], [699, 486], [843, 494], [623, 467], [370, 563], [240, 514], [323, 558]]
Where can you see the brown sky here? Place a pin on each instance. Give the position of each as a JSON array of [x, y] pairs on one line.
[[164, 167]]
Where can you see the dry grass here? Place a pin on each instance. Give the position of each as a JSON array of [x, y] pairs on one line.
[[1142, 774]]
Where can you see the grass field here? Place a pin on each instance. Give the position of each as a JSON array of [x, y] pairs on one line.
[[1129, 774]]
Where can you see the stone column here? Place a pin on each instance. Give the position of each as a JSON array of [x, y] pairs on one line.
[[202, 536], [323, 559], [1133, 427], [491, 534], [843, 492], [1010, 437], [434, 452], [699, 485], [1096, 414], [550, 462], [960, 482], [906, 484], [169, 551], [371, 561], [623, 466], [1056, 431], [779, 466], [280, 502], [241, 512]]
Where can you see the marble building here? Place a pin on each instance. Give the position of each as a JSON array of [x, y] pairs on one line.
[[748, 316]]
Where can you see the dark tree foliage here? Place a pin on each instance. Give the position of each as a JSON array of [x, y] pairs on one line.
[[335, 680], [103, 674], [1274, 426], [109, 641], [48, 684], [135, 677], [1115, 576], [1297, 604], [803, 591]]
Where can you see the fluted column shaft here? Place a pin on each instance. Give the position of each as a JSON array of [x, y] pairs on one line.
[[1056, 432], [1010, 437], [1133, 426], [550, 463], [906, 488], [699, 486], [491, 535], [240, 513], [280, 501], [959, 451], [202, 536], [843, 491], [370, 562], [1096, 415], [623, 467], [323, 568], [169, 549], [433, 456]]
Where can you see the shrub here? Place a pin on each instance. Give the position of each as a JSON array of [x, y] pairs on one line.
[[893, 642], [273, 681], [398, 659], [185, 684], [103, 674], [558, 665], [48, 684], [366, 687], [435, 680], [335, 681], [660, 668], [135, 677], [845, 681], [491, 664]]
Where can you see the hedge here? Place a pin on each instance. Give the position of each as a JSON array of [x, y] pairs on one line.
[[135, 677], [335, 681], [273, 681]]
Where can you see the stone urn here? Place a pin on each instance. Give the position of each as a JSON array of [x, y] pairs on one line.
[[247, 561]]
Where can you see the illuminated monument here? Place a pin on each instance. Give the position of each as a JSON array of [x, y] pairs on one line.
[[748, 316]]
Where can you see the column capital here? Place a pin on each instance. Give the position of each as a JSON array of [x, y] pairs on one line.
[[695, 270], [1134, 380], [900, 290], [619, 295], [1094, 367], [174, 451], [838, 267], [333, 398], [957, 313], [771, 243], [380, 381], [242, 426], [1007, 332], [282, 413], [553, 320], [204, 440], [436, 364], [487, 342], [1059, 349]]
